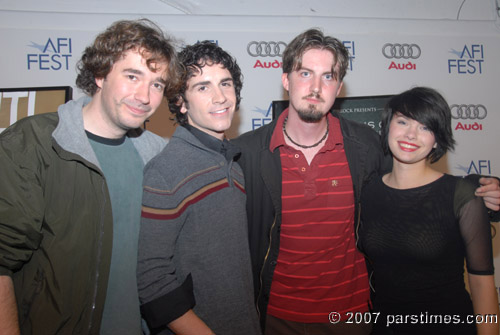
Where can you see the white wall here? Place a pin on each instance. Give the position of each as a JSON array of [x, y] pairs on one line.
[[399, 9]]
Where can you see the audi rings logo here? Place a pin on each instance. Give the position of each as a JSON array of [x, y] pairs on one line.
[[266, 49], [398, 51], [468, 112]]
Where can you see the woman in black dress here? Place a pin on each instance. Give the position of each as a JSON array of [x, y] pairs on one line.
[[418, 225]]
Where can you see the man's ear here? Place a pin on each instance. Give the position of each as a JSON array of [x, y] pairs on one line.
[[184, 106], [99, 81], [284, 81], [340, 88]]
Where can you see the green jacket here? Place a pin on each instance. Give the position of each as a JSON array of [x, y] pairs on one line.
[[56, 221]]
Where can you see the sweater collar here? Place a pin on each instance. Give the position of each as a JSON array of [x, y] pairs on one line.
[[224, 147]]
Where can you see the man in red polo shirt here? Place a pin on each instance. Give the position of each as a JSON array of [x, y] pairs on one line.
[[303, 176]]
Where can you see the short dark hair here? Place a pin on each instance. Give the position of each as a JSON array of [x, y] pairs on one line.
[[426, 106], [315, 39], [122, 36], [194, 58]]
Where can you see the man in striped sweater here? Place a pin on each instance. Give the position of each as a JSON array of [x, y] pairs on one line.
[[194, 274]]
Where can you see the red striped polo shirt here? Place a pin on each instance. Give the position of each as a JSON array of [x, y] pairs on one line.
[[319, 269]]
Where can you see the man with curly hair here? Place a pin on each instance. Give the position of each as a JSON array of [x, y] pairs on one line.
[[71, 191], [194, 274]]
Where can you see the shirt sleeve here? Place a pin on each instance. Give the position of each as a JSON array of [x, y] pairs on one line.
[[163, 295], [475, 229], [21, 202]]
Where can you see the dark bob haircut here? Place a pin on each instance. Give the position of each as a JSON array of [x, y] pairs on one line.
[[194, 58], [426, 106]]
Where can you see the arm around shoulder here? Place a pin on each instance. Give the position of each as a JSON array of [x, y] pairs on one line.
[[489, 190]]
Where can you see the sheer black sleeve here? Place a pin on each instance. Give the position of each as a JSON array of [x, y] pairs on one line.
[[494, 215], [475, 229]]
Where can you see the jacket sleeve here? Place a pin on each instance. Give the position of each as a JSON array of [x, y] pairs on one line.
[[21, 201], [164, 297]]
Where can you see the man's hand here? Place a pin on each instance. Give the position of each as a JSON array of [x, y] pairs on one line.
[[8, 308], [490, 192], [190, 324]]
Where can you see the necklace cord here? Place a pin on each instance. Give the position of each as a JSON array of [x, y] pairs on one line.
[[306, 146]]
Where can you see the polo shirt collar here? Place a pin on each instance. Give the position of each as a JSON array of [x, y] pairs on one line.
[[334, 133]]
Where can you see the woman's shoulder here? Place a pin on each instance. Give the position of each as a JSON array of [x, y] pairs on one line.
[[464, 192], [462, 185]]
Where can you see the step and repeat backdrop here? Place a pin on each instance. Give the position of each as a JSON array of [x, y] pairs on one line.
[[459, 59]]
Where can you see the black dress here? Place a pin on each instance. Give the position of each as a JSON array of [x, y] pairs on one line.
[[416, 241]]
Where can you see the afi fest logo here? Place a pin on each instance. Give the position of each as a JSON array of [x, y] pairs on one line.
[[54, 55], [216, 42], [262, 121], [403, 55], [469, 116], [351, 47], [468, 60], [480, 166]]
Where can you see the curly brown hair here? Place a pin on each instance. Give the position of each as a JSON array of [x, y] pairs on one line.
[[193, 58], [141, 35]]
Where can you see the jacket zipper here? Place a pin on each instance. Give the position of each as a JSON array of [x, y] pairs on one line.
[[99, 252], [358, 223], [263, 266]]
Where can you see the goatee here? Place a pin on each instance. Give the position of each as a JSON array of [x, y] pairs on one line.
[[310, 115]]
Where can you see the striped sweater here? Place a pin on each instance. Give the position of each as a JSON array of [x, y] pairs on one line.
[[193, 244]]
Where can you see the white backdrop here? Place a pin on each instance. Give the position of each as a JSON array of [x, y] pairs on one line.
[[459, 58]]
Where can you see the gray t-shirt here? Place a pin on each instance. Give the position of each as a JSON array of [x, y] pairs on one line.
[[123, 169]]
